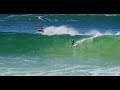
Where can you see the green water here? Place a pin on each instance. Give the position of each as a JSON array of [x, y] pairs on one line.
[[107, 46], [35, 54]]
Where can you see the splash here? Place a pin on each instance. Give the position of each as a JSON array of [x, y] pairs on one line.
[[118, 33], [93, 34], [53, 30]]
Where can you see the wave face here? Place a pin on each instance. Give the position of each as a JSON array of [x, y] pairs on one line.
[[36, 44]]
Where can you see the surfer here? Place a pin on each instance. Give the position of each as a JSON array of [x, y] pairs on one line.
[[73, 42], [41, 29]]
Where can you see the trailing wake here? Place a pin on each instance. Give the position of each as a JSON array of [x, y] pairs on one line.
[[94, 34]]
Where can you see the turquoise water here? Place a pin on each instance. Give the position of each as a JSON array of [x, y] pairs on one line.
[[27, 52]]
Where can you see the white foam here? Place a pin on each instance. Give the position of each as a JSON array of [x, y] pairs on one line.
[[108, 33], [110, 71], [11, 16], [78, 70], [111, 14], [94, 34], [118, 33], [40, 17], [60, 30], [53, 30]]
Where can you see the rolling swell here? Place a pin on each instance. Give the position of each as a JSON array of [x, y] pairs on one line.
[[106, 46], [25, 43]]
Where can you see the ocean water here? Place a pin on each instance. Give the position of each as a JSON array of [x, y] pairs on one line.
[[24, 51]]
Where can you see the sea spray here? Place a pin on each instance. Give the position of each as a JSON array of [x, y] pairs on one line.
[[93, 34], [53, 30]]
